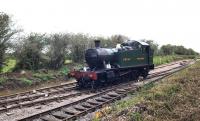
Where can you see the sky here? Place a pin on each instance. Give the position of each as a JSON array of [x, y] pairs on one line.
[[174, 22]]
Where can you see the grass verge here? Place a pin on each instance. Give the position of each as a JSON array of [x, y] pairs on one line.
[[173, 98], [158, 60]]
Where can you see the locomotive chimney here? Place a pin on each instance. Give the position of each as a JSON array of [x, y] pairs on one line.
[[97, 43]]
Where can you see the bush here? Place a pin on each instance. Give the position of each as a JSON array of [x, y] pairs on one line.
[[2, 80], [9, 66], [29, 53], [26, 81]]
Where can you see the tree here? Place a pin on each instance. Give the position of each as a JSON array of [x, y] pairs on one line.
[[57, 50], [29, 52], [167, 49], [118, 39], [6, 32], [153, 46], [178, 50], [78, 44]]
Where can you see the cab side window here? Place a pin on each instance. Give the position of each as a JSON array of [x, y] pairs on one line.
[[143, 49]]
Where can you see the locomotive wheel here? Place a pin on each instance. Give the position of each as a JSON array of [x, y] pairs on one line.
[[80, 84], [145, 74], [93, 84], [134, 75]]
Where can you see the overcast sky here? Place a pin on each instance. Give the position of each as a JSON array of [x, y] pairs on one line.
[[165, 21]]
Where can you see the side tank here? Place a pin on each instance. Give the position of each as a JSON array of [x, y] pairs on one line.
[[97, 57]]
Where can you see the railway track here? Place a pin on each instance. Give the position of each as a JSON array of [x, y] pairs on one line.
[[33, 97], [41, 90], [83, 106], [170, 64], [46, 95]]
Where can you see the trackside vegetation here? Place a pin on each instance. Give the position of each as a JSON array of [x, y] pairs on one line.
[[158, 60], [173, 98]]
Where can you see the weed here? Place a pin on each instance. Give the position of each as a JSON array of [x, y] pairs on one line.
[[64, 71], [95, 119], [2, 80], [10, 64], [135, 116], [26, 81], [43, 77], [173, 89]]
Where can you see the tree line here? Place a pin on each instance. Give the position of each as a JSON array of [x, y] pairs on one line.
[[35, 50], [169, 49]]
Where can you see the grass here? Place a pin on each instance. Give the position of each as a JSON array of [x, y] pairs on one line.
[[173, 98], [64, 70], [43, 76], [26, 81], [158, 60], [10, 64], [2, 80]]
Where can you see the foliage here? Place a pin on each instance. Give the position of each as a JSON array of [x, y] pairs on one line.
[[57, 50], [135, 116], [78, 44], [43, 76], [158, 60], [10, 64], [2, 80], [26, 81], [6, 32], [29, 53], [153, 45], [64, 70], [169, 49], [178, 50]]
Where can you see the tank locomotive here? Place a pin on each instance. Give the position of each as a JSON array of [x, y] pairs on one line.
[[127, 61]]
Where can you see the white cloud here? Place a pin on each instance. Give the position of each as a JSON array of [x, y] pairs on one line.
[[169, 21]]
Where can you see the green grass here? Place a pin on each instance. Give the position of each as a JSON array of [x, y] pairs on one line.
[[26, 81], [158, 60], [173, 98], [10, 64], [64, 70], [2, 80], [43, 77]]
